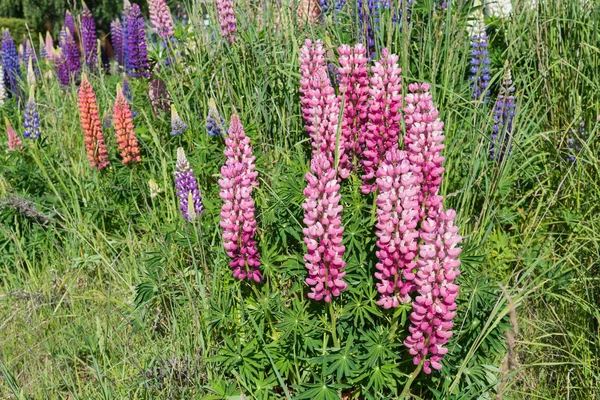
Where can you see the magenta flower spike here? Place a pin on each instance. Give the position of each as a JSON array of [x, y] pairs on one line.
[[237, 214], [397, 220], [424, 144], [384, 105], [161, 18], [434, 306], [354, 93], [323, 232], [321, 108], [227, 21]]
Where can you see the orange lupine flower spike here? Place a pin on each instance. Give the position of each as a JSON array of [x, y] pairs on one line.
[[92, 129], [124, 129]]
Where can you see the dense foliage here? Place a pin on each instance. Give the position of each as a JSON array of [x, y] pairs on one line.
[[108, 291]]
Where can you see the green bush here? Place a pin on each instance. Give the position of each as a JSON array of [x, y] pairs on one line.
[[16, 26]]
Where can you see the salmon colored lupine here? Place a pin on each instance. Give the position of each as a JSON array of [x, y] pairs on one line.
[[424, 143], [354, 95], [385, 102], [124, 129], [14, 142], [237, 214], [397, 220], [92, 128]]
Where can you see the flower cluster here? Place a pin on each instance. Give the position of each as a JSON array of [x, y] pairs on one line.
[[160, 100], [31, 119], [215, 124], [10, 63], [480, 63], [186, 186], [14, 142], [382, 129], [88, 37], [70, 50], [49, 46], [397, 219], [320, 108], [237, 214], [323, 231], [354, 95], [61, 66], [434, 306], [178, 126], [137, 54], [116, 39], [161, 18], [124, 129], [504, 112], [328, 5], [70, 23], [424, 143], [29, 55], [92, 129], [227, 20]]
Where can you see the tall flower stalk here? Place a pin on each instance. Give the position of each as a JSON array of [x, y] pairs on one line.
[[10, 63], [161, 18], [70, 50], [237, 214], [124, 129], [116, 39], [31, 119], [92, 128], [504, 112], [186, 187], [14, 142], [215, 124], [137, 53], [227, 21], [178, 126], [480, 63], [88, 37], [382, 129]]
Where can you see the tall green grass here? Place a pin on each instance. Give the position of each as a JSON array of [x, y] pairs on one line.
[[109, 293]]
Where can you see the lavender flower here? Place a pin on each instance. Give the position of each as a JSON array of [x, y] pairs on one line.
[[61, 66], [31, 121], [116, 38], [70, 50], [215, 124], [70, 23], [128, 94], [88, 37], [186, 187], [480, 63], [10, 64], [137, 54], [160, 100], [504, 111], [178, 126]]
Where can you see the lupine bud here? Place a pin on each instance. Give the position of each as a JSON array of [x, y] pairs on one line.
[[124, 129], [323, 232], [177, 124], [42, 44], [321, 108], [381, 133], [2, 89], [161, 18], [29, 54], [88, 37], [10, 63], [237, 214], [397, 219], [160, 100], [424, 143], [354, 95], [70, 23], [92, 129], [49, 45], [137, 54], [14, 142], [215, 124], [31, 120], [227, 20], [116, 39], [434, 306], [30, 73], [480, 63], [504, 112], [186, 187]]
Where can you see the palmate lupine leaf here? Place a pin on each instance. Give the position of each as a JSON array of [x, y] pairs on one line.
[[321, 391], [344, 363]]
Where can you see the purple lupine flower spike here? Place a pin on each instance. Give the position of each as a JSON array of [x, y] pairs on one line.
[[70, 23], [178, 126], [137, 54], [187, 187], [70, 50], [504, 112], [480, 63], [116, 38], [10, 64], [61, 67], [31, 120], [88, 37], [160, 99], [161, 18], [215, 124]]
